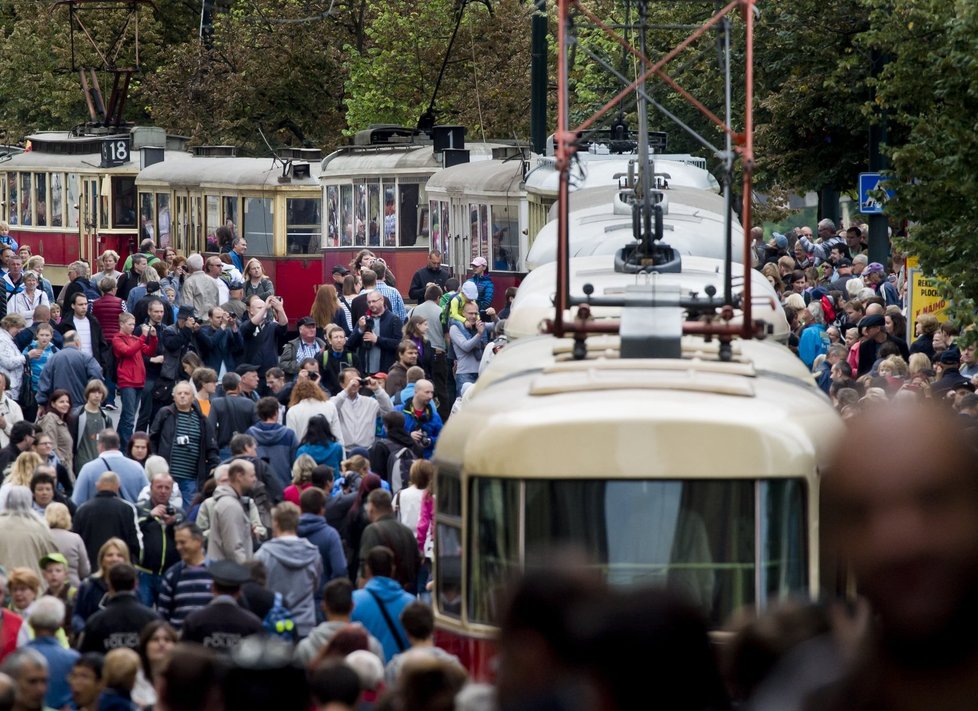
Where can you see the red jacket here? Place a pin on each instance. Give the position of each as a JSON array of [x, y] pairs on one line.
[[106, 311], [9, 629], [129, 352]]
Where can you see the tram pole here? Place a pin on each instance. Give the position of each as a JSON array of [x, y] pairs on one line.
[[538, 78]]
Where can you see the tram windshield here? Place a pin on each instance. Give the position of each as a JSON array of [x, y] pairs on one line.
[[722, 544]]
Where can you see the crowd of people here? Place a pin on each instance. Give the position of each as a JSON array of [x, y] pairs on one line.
[[178, 469]]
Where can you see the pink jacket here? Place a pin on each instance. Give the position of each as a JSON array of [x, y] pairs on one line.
[[425, 519]]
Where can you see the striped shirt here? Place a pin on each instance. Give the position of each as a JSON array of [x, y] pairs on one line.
[[183, 457], [184, 588]]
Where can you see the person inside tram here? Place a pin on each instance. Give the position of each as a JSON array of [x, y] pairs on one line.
[[502, 260]]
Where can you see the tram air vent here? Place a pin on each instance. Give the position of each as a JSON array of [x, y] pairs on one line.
[[215, 151]]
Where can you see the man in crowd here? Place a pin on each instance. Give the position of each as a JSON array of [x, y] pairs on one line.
[[223, 623], [391, 295], [186, 586], [107, 516], [132, 477], [121, 621], [441, 371], [87, 330], [28, 669], [430, 274], [376, 335], [219, 340], [294, 567], [385, 530], [382, 593], [313, 527], [22, 436], [47, 614], [157, 519], [407, 355], [231, 414], [483, 283], [185, 438], [231, 535], [248, 386], [277, 444], [199, 290], [260, 331], [68, 369], [469, 339], [338, 610], [358, 413], [421, 418], [307, 345]]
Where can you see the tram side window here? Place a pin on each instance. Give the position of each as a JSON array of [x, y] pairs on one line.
[[26, 213], [73, 199], [495, 524], [123, 202], [3, 197], [57, 200], [332, 216], [212, 219], [506, 255], [147, 211], [13, 206], [437, 236], [163, 219], [259, 225], [390, 216], [373, 214], [231, 215], [41, 199], [303, 225]]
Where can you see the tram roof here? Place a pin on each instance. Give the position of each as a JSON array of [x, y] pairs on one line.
[[52, 162], [760, 416], [593, 170], [185, 170], [393, 159], [601, 223], [488, 177], [534, 298]]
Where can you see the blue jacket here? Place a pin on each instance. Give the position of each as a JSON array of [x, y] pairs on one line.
[[366, 612], [813, 341], [315, 530], [60, 662], [276, 445], [219, 346], [330, 456], [430, 424], [486, 288], [71, 370]]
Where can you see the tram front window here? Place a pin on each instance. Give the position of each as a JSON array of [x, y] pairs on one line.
[[303, 225], [698, 537]]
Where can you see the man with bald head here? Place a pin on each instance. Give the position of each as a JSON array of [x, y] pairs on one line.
[[107, 515], [421, 418], [906, 524]]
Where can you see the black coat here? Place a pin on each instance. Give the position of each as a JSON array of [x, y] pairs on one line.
[[389, 337], [164, 429], [221, 625], [118, 625], [105, 516], [231, 415], [421, 278]]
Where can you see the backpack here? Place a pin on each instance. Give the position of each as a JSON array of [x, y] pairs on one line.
[[279, 621], [446, 309], [399, 468]]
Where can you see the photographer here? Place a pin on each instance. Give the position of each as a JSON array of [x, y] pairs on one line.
[[421, 419], [358, 413], [377, 335], [157, 520], [185, 438]]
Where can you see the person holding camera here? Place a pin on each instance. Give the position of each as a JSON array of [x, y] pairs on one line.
[[377, 335], [358, 413], [185, 438], [157, 521], [421, 419], [260, 331]]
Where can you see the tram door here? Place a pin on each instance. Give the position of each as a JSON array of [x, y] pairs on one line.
[[460, 239], [88, 224]]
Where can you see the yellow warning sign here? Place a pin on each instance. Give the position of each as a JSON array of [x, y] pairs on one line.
[[925, 295]]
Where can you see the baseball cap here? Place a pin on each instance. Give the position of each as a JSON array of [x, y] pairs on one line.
[[235, 285], [53, 558], [340, 269], [470, 291], [874, 267], [306, 321], [479, 262], [229, 573]]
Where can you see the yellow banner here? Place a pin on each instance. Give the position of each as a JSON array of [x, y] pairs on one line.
[[926, 297]]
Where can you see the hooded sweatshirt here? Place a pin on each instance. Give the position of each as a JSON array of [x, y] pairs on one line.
[[294, 569], [367, 612], [323, 634], [276, 445], [315, 530]]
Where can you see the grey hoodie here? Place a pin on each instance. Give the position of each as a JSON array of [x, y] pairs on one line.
[[295, 569], [230, 537]]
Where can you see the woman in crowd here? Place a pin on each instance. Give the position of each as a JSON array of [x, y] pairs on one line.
[[69, 543], [356, 518], [119, 675], [155, 642], [176, 272], [327, 310], [320, 443], [307, 401], [21, 472], [139, 447], [256, 282], [54, 424], [107, 263], [301, 478], [11, 359], [24, 586], [36, 264], [416, 331], [27, 300], [10, 411], [896, 324], [95, 586]]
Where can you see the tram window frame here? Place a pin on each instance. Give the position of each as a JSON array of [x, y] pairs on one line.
[[390, 217], [212, 220], [374, 222], [332, 210], [164, 208], [39, 184], [147, 215], [314, 230], [436, 233], [230, 212], [3, 196], [261, 242], [123, 186], [347, 215], [411, 214]]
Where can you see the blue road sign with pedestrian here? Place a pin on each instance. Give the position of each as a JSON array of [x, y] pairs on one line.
[[870, 183]]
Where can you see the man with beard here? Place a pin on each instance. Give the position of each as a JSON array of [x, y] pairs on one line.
[[907, 527]]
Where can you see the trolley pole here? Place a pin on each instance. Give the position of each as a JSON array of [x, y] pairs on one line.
[[538, 78]]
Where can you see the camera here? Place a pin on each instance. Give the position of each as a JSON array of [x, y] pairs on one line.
[[368, 324], [364, 382], [425, 441], [183, 440], [170, 510]]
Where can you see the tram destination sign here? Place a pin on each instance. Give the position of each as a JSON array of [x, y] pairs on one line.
[[115, 151]]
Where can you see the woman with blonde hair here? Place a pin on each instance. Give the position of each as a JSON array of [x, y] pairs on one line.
[[11, 359], [301, 478], [327, 309], [24, 587], [21, 472], [69, 543], [107, 262], [95, 587], [307, 401], [256, 283], [119, 672]]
